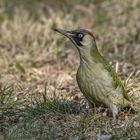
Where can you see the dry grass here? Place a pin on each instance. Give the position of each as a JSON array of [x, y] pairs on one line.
[[39, 97]]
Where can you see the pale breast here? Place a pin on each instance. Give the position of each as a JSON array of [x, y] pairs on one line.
[[96, 83]]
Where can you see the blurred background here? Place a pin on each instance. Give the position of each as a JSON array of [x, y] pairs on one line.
[[33, 55]]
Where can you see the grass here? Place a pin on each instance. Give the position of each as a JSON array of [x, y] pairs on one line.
[[39, 97], [6, 99]]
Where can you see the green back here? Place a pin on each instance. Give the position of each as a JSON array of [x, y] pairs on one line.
[[117, 82]]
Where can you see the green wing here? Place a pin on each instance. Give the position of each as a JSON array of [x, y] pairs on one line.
[[117, 81]]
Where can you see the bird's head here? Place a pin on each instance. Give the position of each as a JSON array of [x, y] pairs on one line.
[[82, 39]]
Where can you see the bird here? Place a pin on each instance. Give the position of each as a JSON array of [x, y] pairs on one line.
[[96, 78]]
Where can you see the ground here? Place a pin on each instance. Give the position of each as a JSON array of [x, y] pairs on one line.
[[39, 96]]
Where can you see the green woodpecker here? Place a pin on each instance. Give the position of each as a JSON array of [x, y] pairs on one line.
[[98, 82]]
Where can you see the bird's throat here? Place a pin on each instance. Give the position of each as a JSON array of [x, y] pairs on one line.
[[90, 56]]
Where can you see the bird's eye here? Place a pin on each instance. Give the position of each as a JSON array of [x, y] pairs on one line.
[[80, 35]]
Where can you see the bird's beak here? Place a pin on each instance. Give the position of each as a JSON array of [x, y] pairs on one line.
[[68, 34]]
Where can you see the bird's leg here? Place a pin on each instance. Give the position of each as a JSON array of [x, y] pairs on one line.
[[93, 107], [114, 110]]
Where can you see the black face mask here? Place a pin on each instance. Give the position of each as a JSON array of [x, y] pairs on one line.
[[78, 38]]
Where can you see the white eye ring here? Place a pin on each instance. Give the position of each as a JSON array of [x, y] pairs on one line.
[[80, 35]]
